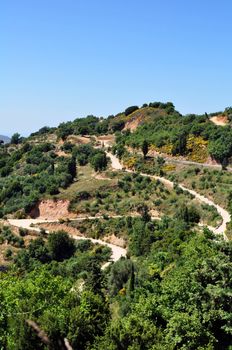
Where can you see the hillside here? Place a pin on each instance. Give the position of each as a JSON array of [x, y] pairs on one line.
[[192, 137], [116, 233], [198, 138]]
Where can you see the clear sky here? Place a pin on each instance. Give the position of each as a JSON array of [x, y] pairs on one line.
[[62, 59]]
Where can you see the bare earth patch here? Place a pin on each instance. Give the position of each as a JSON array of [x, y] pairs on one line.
[[101, 177], [81, 140], [72, 231], [120, 242], [52, 210], [220, 120], [62, 154]]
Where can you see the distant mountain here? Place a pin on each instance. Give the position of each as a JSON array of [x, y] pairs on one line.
[[6, 139]]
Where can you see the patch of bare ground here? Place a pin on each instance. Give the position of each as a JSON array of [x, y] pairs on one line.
[[112, 239], [133, 123], [106, 138], [72, 231], [81, 140], [60, 153], [141, 115], [51, 210], [220, 120], [154, 213], [211, 161], [101, 177]]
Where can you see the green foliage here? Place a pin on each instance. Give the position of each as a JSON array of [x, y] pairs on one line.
[[168, 131], [16, 139], [6, 235], [43, 131], [83, 126], [221, 149], [176, 296], [130, 110], [31, 172], [99, 161], [119, 276], [173, 291], [188, 215], [186, 307], [145, 148], [60, 246], [117, 125], [88, 320]]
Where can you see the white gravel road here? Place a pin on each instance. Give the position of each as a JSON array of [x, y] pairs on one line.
[[226, 218]]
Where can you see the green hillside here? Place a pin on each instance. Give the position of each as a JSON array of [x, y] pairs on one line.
[[149, 185]]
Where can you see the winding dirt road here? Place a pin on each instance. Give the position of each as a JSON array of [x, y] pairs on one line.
[[226, 218], [118, 252]]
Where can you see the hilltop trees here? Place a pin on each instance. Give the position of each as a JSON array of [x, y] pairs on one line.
[[130, 110], [193, 136], [228, 111], [83, 126], [16, 139]]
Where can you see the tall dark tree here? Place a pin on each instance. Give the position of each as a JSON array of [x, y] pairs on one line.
[[72, 167], [145, 148], [94, 280], [143, 210], [132, 279]]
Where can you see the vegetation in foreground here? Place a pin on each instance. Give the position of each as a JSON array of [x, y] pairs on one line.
[[171, 292]]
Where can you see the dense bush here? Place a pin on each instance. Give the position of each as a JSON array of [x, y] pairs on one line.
[[60, 246], [130, 110]]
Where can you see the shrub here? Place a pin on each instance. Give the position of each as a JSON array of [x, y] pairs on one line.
[[23, 232], [83, 195], [8, 254], [130, 110], [60, 246]]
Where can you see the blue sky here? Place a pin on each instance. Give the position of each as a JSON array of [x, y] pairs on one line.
[[62, 59]]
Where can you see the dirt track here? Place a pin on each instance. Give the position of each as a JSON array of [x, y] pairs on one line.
[[117, 251], [224, 213]]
